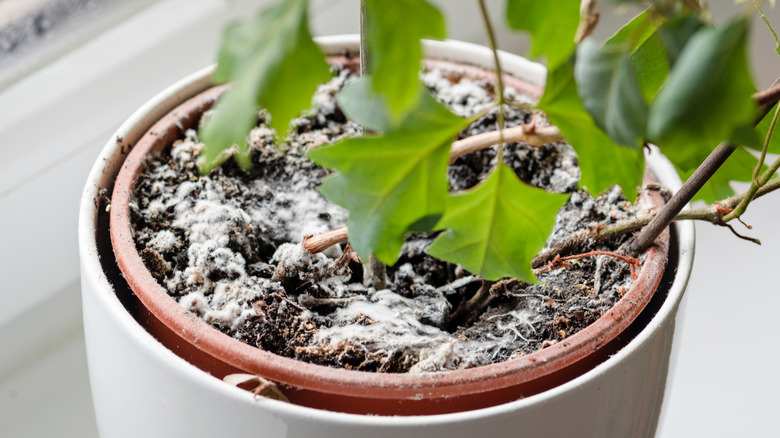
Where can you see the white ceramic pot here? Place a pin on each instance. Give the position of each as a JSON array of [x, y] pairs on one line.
[[140, 388]]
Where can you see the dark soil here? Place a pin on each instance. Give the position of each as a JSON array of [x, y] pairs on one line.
[[216, 242]]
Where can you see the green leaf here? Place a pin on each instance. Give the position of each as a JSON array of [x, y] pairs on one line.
[[552, 29], [363, 106], [738, 167], [495, 229], [395, 183], [648, 55], [610, 92], [707, 96], [676, 33], [273, 64], [394, 31], [650, 66], [635, 32], [602, 162]]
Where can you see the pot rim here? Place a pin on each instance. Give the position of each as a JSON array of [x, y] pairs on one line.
[[201, 81]]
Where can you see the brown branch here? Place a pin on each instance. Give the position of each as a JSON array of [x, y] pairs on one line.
[[713, 214], [765, 99], [321, 242], [530, 133], [312, 302], [666, 215], [769, 96]]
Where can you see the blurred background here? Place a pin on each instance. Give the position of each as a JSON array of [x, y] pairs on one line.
[[72, 70]]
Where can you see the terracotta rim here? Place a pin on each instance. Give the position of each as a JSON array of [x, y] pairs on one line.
[[338, 381]]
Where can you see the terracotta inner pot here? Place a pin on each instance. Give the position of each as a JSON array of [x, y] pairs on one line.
[[355, 391]]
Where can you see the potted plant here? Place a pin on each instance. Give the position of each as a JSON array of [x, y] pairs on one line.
[[611, 86]]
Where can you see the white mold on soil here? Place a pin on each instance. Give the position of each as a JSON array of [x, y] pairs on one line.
[[217, 244]]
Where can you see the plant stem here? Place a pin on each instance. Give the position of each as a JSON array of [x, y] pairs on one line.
[[500, 118], [769, 25], [765, 146], [373, 270], [364, 60], [473, 306], [765, 100], [647, 236], [758, 179], [713, 214]]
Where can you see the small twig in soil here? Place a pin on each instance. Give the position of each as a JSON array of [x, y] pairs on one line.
[[347, 255], [540, 296], [559, 262], [312, 302], [568, 246], [472, 307], [302, 309], [321, 242], [374, 273], [529, 133], [457, 284]]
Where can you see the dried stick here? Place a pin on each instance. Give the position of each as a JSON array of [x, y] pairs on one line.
[[321, 242], [529, 133]]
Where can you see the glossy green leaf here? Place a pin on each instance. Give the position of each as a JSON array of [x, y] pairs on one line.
[[552, 29], [602, 162], [495, 229], [707, 96], [634, 33], [394, 183], [610, 92], [651, 66], [361, 104], [676, 33], [273, 64], [394, 32], [648, 55]]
